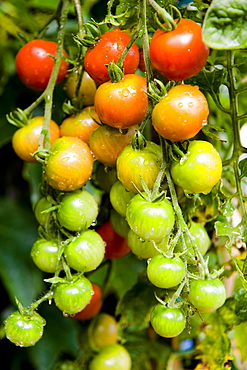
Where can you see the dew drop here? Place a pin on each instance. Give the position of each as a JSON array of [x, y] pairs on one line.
[[190, 104], [180, 105]]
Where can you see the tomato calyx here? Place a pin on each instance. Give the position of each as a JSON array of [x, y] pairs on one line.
[[157, 90], [91, 36], [138, 141], [170, 23], [18, 118], [115, 71]]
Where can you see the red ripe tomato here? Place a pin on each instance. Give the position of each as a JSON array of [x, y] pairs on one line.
[[181, 53], [80, 125], [25, 140], [181, 114], [94, 306], [34, 64], [116, 246], [122, 104], [110, 48]]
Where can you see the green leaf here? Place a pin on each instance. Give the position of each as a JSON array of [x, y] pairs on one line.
[[241, 305], [240, 335], [223, 229], [243, 167], [208, 80], [224, 26]]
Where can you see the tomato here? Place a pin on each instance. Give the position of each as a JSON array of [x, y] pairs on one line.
[[111, 357], [42, 205], [122, 104], [151, 221], [207, 295], [116, 246], [34, 64], [107, 143], [181, 53], [167, 322], [85, 252], [144, 249], [134, 164], [93, 307], [120, 197], [119, 223], [87, 88], [45, 254], [105, 177], [108, 49], [66, 365], [199, 170], [80, 125], [103, 330], [69, 165], [77, 210], [73, 296], [24, 330], [25, 140], [181, 114]]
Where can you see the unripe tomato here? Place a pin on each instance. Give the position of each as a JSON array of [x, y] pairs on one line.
[[181, 53], [25, 140], [107, 143], [109, 49], [80, 125], [122, 104], [181, 114], [86, 90], [103, 330], [119, 223], [199, 170], [167, 322], [24, 330], [69, 165], [93, 307], [34, 65], [45, 254], [120, 197], [42, 205], [105, 177], [111, 357], [144, 249], [136, 164]]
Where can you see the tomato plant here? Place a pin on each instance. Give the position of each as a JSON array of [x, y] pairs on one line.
[[35, 61], [167, 322], [93, 307], [113, 356]]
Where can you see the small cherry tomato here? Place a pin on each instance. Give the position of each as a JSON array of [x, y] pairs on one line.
[[80, 125], [86, 91], [25, 140], [111, 357], [122, 104], [35, 62], [42, 217], [119, 223], [108, 49], [120, 197], [181, 114], [104, 177], [93, 308], [167, 322], [181, 53], [45, 254], [24, 330], [135, 165], [103, 330], [199, 169], [69, 165], [144, 249]]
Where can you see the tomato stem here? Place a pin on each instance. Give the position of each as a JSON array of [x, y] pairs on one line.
[[161, 12]]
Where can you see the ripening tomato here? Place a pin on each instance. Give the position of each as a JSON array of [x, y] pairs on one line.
[[181, 114], [135, 165], [103, 330], [107, 143], [122, 104], [111, 357], [104, 177], [180, 53], [34, 63], [199, 169], [86, 90], [109, 49], [93, 307], [25, 140], [80, 125], [69, 165]]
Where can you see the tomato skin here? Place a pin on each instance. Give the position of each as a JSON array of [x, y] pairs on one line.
[[86, 91], [93, 307], [69, 165], [45, 254], [103, 330], [43, 218], [167, 322], [22, 330], [107, 142], [181, 53], [199, 170], [122, 104], [116, 246], [77, 210], [34, 65], [111, 357], [144, 249], [80, 125], [85, 252], [109, 48], [151, 221], [181, 114], [120, 197], [73, 296], [119, 223], [25, 140], [165, 272], [207, 295], [132, 164]]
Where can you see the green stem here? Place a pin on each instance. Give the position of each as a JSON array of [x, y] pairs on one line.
[[164, 15], [145, 41], [45, 297], [81, 28]]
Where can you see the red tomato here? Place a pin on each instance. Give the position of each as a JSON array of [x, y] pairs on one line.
[[116, 246], [122, 104], [93, 308], [181, 53], [34, 64], [109, 48]]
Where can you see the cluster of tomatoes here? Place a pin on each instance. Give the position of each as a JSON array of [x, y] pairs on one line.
[[107, 133]]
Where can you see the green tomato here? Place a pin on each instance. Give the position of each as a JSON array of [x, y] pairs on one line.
[[42, 205], [111, 357], [201, 240], [167, 322], [120, 197], [103, 330], [119, 224], [144, 249], [45, 254]]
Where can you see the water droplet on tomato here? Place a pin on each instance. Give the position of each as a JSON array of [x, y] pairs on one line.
[[180, 105], [190, 104]]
